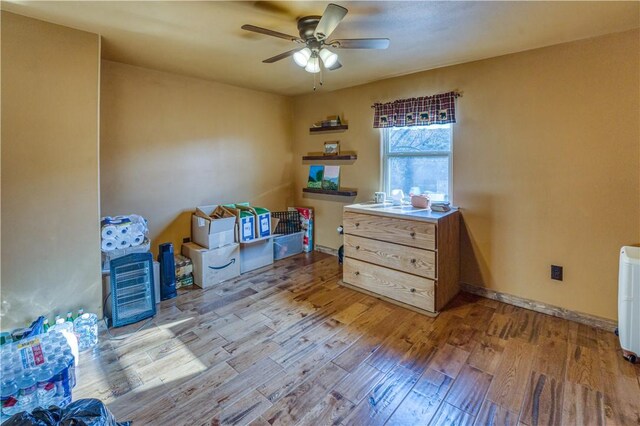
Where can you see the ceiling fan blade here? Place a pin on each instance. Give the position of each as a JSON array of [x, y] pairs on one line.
[[331, 17], [335, 66], [280, 56], [272, 33], [360, 43]]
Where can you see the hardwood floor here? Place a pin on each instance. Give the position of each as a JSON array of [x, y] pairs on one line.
[[287, 345]]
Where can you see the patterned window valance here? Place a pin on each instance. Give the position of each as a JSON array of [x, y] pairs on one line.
[[437, 109]]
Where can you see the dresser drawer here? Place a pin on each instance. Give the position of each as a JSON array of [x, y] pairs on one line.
[[406, 288], [399, 231], [408, 259]]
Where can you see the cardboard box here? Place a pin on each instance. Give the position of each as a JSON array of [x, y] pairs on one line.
[[263, 221], [212, 266], [246, 221], [212, 233], [256, 254], [247, 226]]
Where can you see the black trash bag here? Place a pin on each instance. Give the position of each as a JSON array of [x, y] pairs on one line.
[[29, 419], [83, 412], [88, 412]]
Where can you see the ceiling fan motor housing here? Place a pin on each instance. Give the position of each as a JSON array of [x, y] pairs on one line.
[[307, 26]]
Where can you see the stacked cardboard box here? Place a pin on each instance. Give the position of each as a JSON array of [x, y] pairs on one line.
[[214, 251], [228, 240]]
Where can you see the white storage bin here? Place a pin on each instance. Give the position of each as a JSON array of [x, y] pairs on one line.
[[255, 254], [287, 245]]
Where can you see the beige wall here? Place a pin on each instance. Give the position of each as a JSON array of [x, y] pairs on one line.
[[50, 243], [545, 140], [170, 143]]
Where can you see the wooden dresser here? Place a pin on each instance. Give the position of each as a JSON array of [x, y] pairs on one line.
[[408, 256]]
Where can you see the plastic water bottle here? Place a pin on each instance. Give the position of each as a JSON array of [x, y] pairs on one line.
[[69, 337], [27, 393], [61, 379], [70, 360], [7, 364], [46, 386], [8, 396], [86, 328]]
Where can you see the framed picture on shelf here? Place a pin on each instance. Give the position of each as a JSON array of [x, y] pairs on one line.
[[332, 148], [315, 177], [331, 178]]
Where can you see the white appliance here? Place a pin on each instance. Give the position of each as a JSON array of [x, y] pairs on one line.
[[629, 302]]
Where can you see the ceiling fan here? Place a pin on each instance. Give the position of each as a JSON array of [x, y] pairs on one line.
[[314, 32]]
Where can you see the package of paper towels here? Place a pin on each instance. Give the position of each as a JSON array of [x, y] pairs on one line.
[[121, 232]]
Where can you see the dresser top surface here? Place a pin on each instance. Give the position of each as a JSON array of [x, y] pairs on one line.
[[401, 212]]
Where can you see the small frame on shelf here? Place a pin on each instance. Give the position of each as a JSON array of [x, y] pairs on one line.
[[331, 148]]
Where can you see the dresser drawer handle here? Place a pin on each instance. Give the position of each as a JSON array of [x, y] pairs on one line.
[[413, 261], [357, 247], [357, 273], [413, 290], [413, 234]]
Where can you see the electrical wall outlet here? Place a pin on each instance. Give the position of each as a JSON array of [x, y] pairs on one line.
[[556, 272]]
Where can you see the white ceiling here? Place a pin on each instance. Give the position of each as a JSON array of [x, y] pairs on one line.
[[204, 39]]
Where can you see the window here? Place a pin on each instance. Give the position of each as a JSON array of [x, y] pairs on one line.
[[418, 158]]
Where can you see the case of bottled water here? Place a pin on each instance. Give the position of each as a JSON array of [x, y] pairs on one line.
[[36, 371]]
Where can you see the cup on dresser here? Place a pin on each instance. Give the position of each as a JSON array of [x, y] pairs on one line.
[[397, 196], [379, 197]]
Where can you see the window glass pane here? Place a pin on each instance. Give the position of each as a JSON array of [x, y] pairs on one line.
[[420, 139], [428, 174]]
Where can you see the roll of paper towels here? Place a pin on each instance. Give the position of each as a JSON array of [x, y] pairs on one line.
[[109, 231], [109, 244], [124, 230], [123, 241], [136, 240]]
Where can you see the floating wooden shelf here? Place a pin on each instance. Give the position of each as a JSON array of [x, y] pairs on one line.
[[329, 128], [345, 192], [330, 157]]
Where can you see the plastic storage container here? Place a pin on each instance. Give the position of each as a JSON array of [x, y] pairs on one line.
[[256, 254], [629, 302], [289, 222], [287, 245]]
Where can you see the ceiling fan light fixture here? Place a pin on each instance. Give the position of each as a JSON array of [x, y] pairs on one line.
[[301, 57], [313, 66], [329, 58]]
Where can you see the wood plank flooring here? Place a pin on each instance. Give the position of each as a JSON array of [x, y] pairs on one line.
[[287, 345]]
